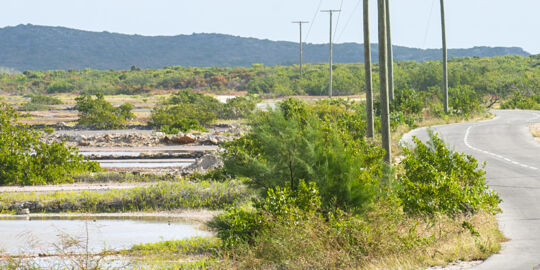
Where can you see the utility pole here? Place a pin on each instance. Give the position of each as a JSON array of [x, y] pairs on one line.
[[331, 12], [300, 23], [385, 108], [367, 67], [390, 53], [445, 60]]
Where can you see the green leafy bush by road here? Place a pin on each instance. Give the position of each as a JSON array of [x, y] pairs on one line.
[[437, 180], [100, 114], [523, 102], [25, 160]]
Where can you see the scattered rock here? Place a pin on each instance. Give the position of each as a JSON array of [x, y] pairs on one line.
[[207, 162], [23, 211]]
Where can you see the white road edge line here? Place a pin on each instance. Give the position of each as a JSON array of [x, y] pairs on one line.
[[466, 141]]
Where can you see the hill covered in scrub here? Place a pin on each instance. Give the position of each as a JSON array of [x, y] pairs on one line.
[[31, 47]]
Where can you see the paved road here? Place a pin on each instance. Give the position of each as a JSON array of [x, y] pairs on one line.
[[513, 170]]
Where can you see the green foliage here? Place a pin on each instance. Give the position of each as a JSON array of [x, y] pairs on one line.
[[464, 100], [238, 107], [32, 107], [25, 160], [191, 246], [60, 87], [523, 102], [188, 110], [39, 103], [45, 100], [322, 143], [184, 111], [408, 101], [161, 196], [100, 114], [437, 180], [241, 226]]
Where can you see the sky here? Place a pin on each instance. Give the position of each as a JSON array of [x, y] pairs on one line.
[[415, 23]]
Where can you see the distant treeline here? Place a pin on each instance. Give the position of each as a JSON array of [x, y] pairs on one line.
[[498, 76]]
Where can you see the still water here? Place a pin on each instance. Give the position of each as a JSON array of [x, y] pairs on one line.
[[45, 235]]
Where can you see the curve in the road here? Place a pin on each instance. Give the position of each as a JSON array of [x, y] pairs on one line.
[[512, 159]]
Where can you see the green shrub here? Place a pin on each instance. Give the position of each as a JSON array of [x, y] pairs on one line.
[[32, 107], [238, 226], [464, 100], [100, 114], [238, 107], [519, 101], [60, 87], [45, 100], [408, 101], [322, 143], [437, 180], [184, 111], [191, 246], [25, 160]]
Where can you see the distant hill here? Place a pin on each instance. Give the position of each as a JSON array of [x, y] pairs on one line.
[[31, 47]]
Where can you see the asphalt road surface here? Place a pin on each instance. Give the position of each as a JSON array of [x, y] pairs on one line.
[[513, 170]]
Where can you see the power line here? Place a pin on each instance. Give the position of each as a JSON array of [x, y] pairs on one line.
[[339, 17], [313, 20], [427, 24], [348, 21]]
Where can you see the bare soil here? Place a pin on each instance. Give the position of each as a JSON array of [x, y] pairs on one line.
[[73, 187], [535, 130]]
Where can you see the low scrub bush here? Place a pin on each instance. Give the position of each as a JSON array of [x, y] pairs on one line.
[[175, 248], [287, 230], [25, 160], [187, 110], [32, 107], [45, 100], [100, 114], [437, 180], [523, 102]]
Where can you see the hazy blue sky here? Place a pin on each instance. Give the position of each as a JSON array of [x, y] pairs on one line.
[[416, 23]]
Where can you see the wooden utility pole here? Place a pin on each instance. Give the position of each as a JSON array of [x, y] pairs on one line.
[[445, 60], [367, 67], [385, 108], [300, 23], [390, 53], [331, 12]]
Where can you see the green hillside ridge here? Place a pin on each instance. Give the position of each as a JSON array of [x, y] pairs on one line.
[[31, 47]]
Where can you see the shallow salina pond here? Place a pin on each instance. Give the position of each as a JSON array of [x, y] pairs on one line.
[[46, 235]]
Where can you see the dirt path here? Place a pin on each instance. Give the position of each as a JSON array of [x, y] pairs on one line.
[[73, 187]]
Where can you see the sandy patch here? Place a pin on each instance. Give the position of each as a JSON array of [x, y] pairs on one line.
[[535, 130]]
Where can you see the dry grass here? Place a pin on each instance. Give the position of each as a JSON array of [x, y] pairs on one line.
[[453, 243], [385, 240], [535, 131]]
